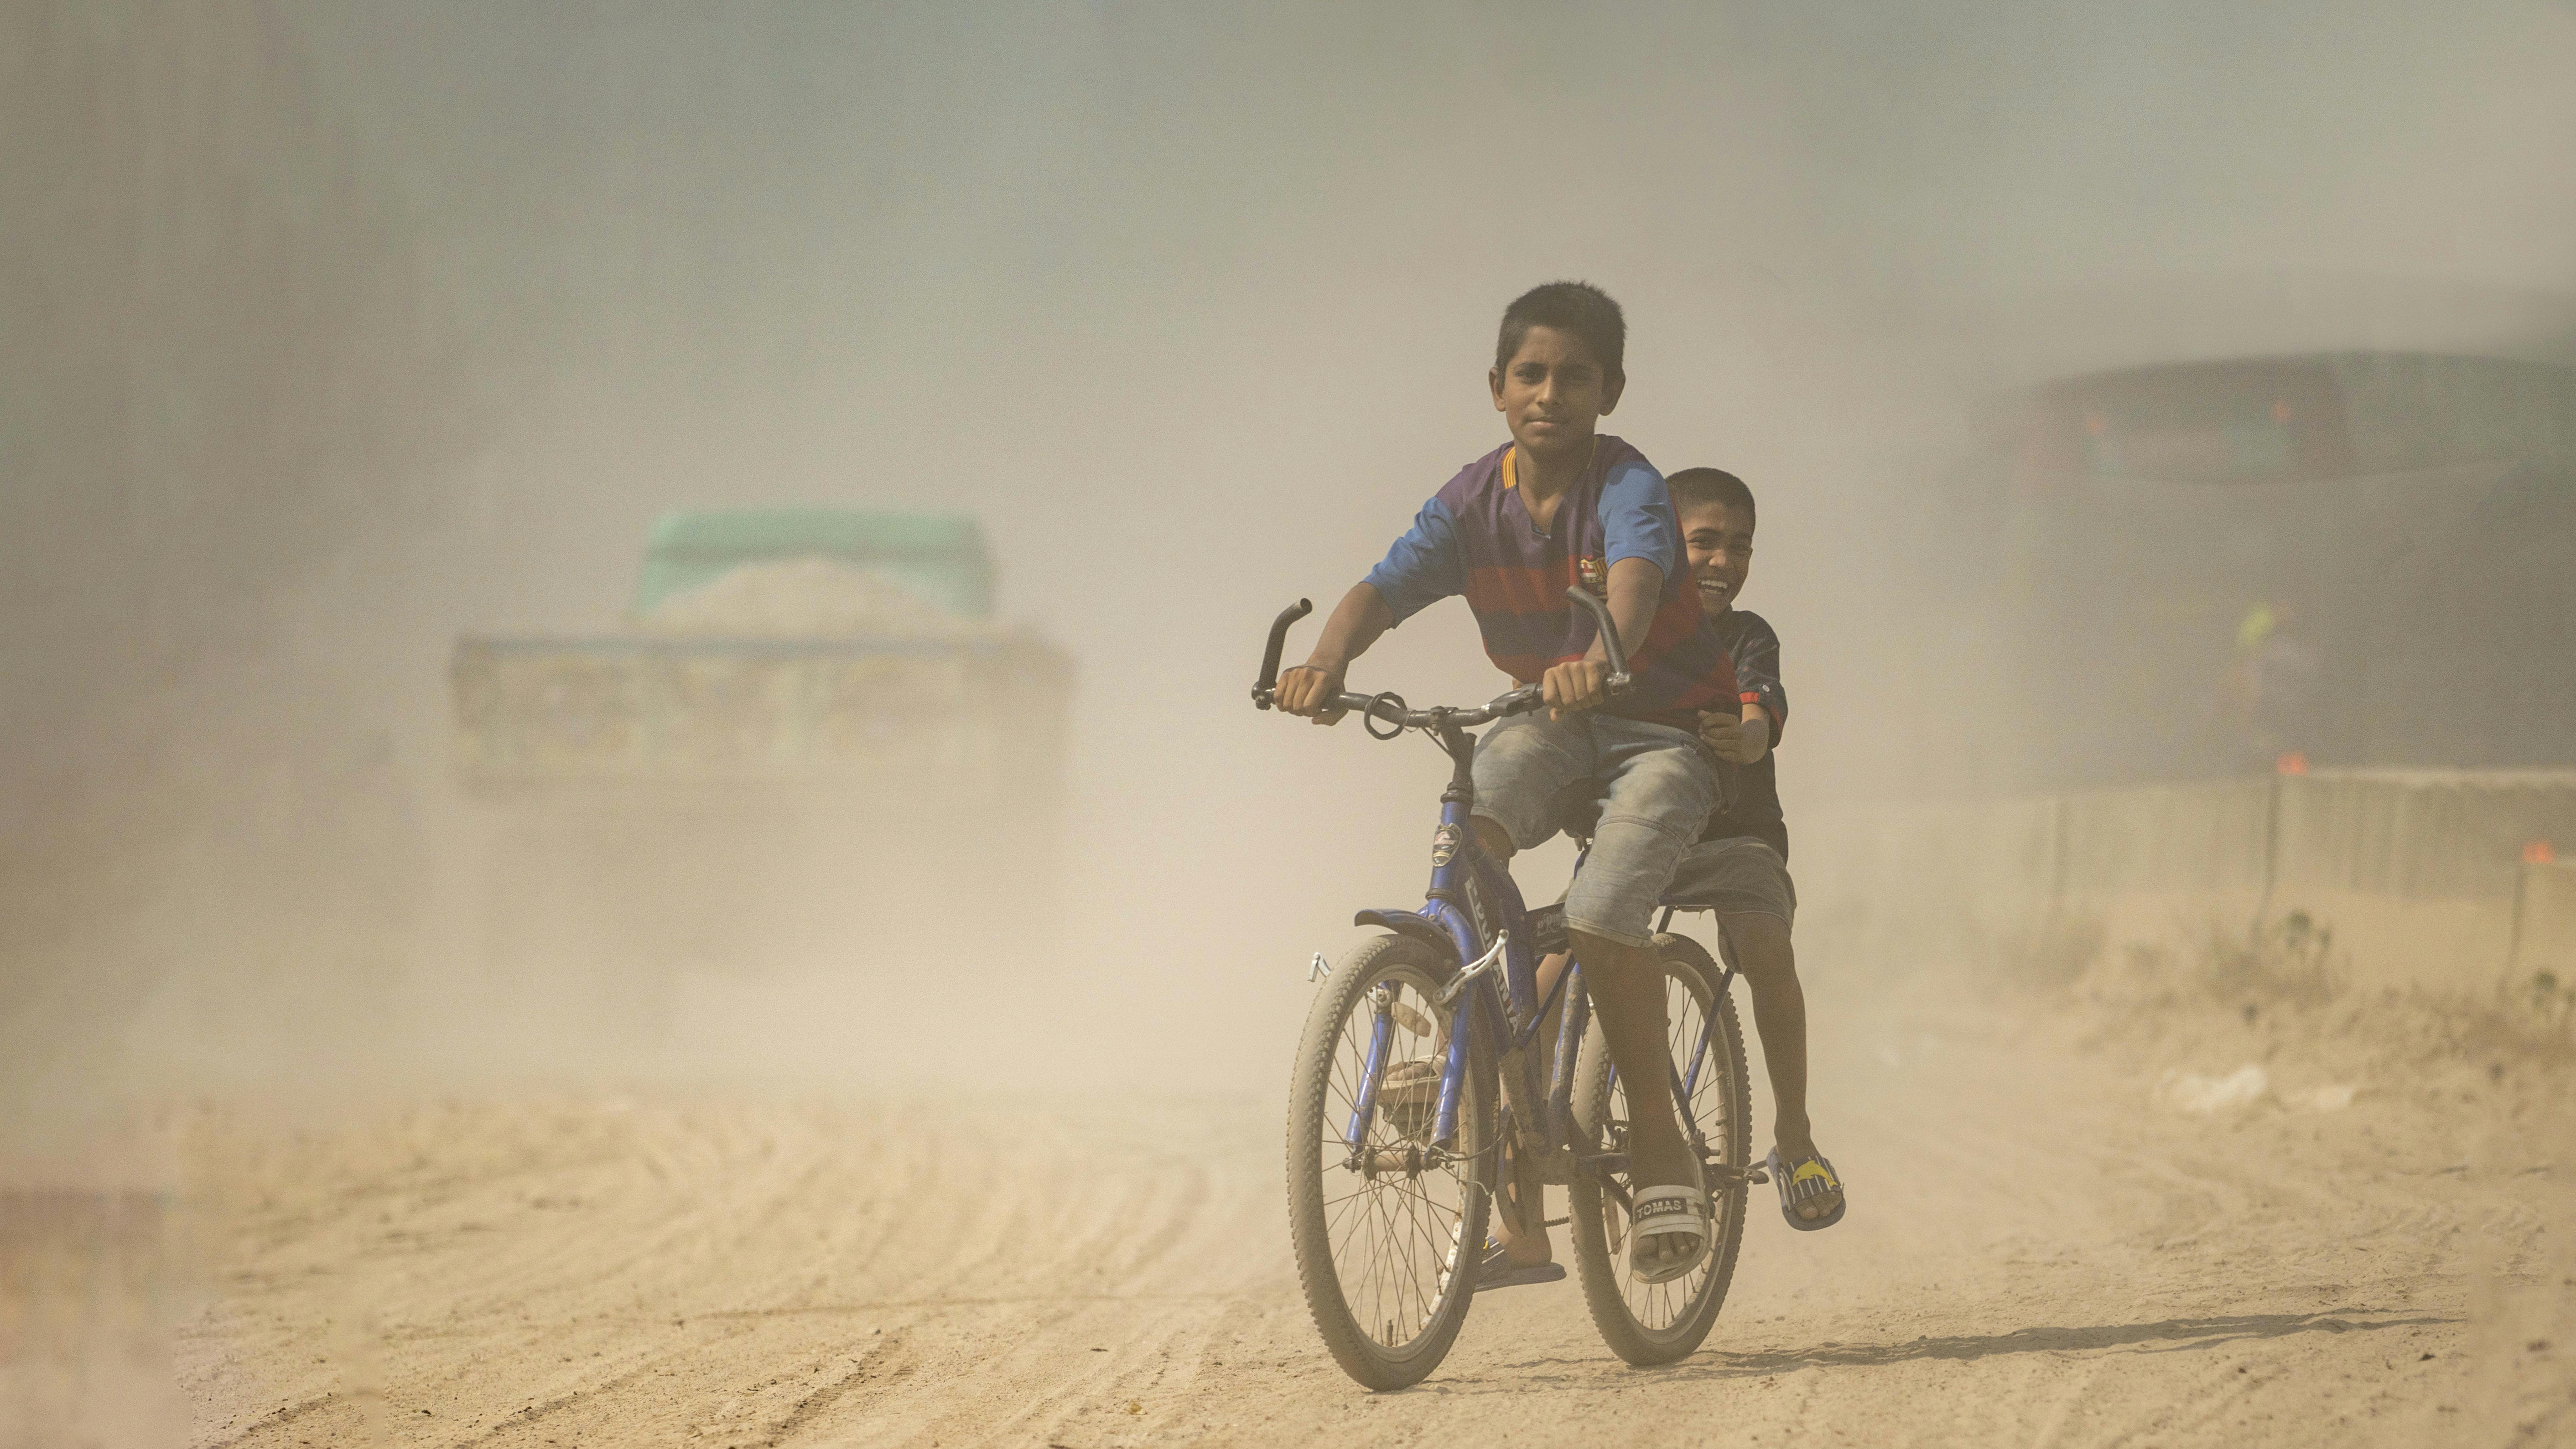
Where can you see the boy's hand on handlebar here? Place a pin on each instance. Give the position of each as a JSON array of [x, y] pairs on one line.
[[1305, 689], [1572, 688]]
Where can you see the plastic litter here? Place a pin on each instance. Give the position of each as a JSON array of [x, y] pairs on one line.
[[2193, 1092], [2330, 1098]]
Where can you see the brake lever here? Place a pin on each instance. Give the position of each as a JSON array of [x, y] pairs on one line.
[[1619, 681], [1493, 957]]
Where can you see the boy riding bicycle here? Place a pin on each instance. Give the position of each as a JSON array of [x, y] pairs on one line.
[[1561, 505]]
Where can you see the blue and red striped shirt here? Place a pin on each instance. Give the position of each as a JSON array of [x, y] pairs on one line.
[[1475, 537]]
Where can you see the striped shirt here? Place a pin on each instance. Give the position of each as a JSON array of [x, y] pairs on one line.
[[1475, 537]]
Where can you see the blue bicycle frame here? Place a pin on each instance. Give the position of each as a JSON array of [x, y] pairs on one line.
[[1449, 918], [1470, 895], [1469, 892]]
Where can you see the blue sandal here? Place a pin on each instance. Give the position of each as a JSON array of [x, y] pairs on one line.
[[1813, 1179]]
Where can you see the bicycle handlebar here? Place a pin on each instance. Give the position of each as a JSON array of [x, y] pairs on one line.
[[1599, 609], [1270, 653], [1390, 709]]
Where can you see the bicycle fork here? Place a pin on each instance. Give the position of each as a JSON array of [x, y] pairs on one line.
[[1381, 1031]]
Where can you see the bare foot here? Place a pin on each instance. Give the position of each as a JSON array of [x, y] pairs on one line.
[[1797, 1155]]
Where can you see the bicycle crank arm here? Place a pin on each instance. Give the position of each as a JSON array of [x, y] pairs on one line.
[[1407, 1162], [1604, 1165]]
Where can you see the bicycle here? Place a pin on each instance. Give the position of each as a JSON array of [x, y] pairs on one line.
[[1395, 1124]]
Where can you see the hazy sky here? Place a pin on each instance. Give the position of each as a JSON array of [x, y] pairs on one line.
[[1193, 307]]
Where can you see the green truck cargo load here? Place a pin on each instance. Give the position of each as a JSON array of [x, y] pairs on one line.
[[790, 643], [809, 750]]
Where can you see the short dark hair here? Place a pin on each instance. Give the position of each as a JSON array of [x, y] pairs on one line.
[[1702, 486], [1577, 307]]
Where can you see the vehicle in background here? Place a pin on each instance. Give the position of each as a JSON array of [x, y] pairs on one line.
[[2349, 558], [809, 730]]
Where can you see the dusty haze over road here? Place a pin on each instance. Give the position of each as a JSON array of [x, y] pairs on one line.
[[336, 330], [1193, 310]]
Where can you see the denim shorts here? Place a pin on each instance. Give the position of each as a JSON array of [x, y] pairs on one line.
[[1736, 877], [1659, 791]]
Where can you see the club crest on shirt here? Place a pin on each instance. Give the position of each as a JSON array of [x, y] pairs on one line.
[[1596, 574]]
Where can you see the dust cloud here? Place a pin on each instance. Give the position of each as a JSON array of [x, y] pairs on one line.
[[338, 331], [345, 330]]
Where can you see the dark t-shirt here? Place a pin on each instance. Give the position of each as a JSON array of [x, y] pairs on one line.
[[1755, 812]]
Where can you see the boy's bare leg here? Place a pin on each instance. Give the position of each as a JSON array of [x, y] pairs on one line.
[[1627, 987], [1626, 984], [1770, 967], [1551, 967], [1526, 1246], [1521, 1224]]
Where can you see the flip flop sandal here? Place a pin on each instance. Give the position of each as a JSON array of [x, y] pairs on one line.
[[1814, 1178], [1671, 1209], [1497, 1272]]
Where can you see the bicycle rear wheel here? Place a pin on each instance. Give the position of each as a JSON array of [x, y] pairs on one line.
[[1388, 1235], [1657, 1323]]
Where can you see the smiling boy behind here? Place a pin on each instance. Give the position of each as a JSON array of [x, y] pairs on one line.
[[1740, 865]]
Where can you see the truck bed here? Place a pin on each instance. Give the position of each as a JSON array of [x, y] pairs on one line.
[[983, 708]]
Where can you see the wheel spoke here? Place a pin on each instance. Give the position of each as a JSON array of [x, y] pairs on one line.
[[1391, 1236], [1395, 1241]]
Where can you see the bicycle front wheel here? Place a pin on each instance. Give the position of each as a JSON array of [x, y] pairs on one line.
[[1390, 1230], [1657, 1323]]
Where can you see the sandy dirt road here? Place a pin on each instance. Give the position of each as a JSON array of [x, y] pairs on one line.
[[2042, 1252]]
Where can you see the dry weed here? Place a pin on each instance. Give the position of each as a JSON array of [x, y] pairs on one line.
[[2289, 963], [2525, 1021]]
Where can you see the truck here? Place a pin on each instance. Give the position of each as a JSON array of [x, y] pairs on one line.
[[808, 749], [2229, 565]]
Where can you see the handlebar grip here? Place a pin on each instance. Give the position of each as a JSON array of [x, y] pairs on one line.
[[1270, 653], [1592, 604]]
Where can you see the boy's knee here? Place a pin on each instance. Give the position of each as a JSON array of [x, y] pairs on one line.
[[1762, 949], [1602, 953], [1492, 837]]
